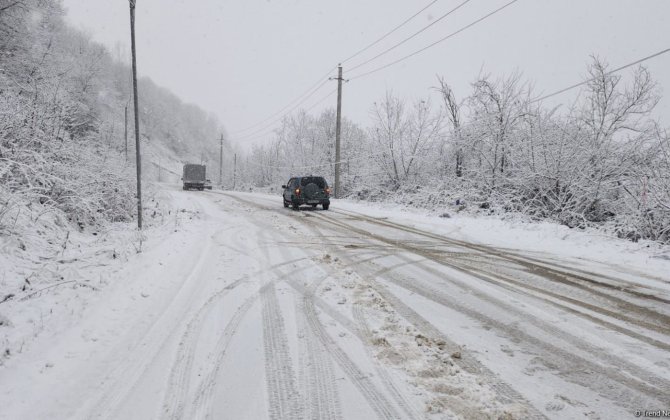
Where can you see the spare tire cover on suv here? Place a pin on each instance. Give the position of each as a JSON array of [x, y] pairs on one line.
[[310, 190]]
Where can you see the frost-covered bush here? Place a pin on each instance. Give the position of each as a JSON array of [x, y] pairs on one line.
[[602, 162], [62, 103], [51, 138]]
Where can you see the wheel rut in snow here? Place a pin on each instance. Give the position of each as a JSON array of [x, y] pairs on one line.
[[557, 272], [377, 401], [316, 374], [174, 402], [121, 381], [642, 318], [609, 381], [631, 369], [284, 398], [202, 402], [358, 328], [509, 398], [562, 361], [505, 394]]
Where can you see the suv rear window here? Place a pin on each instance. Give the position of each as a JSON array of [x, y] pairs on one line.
[[319, 181]]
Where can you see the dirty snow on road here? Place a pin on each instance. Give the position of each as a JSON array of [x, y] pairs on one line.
[[247, 310]]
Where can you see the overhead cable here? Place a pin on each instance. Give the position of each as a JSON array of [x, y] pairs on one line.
[[618, 69], [358, 76], [270, 128], [361, 51], [411, 36], [312, 87], [280, 115]]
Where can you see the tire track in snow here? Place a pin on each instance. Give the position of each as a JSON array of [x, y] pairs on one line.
[[356, 328], [635, 373], [284, 398], [368, 389], [178, 384], [316, 373], [349, 367], [202, 402], [398, 397], [538, 344], [377, 400], [609, 381], [359, 328], [125, 378], [649, 383], [556, 272], [505, 394], [515, 283]]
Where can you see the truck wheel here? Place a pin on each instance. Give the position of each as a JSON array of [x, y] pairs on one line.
[[285, 204], [325, 206]]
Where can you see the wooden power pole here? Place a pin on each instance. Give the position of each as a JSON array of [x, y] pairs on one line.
[[125, 133], [221, 161], [338, 128], [234, 171], [137, 118]]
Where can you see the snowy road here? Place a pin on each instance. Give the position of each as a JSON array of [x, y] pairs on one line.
[[252, 311]]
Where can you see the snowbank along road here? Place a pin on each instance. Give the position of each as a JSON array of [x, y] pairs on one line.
[[255, 311]]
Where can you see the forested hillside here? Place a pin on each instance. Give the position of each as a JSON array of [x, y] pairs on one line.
[[600, 161], [62, 105]]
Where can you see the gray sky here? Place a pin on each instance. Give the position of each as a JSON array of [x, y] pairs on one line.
[[244, 60]]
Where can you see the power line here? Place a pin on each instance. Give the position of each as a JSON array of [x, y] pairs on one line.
[[434, 43], [332, 92], [411, 36], [272, 127], [320, 80], [618, 69], [389, 33], [333, 68], [280, 115]]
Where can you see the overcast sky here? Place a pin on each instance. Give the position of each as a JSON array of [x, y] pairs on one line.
[[244, 60]]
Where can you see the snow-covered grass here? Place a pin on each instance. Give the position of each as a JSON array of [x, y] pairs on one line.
[[50, 268]]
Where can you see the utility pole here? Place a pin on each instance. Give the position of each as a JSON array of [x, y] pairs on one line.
[[221, 161], [234, 171], [338, 128], [125, 133], [138, 157]]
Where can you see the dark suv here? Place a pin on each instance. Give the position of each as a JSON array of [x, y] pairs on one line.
[[309, 190]]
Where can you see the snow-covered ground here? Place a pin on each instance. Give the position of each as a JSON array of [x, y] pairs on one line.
[[239, 308]]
